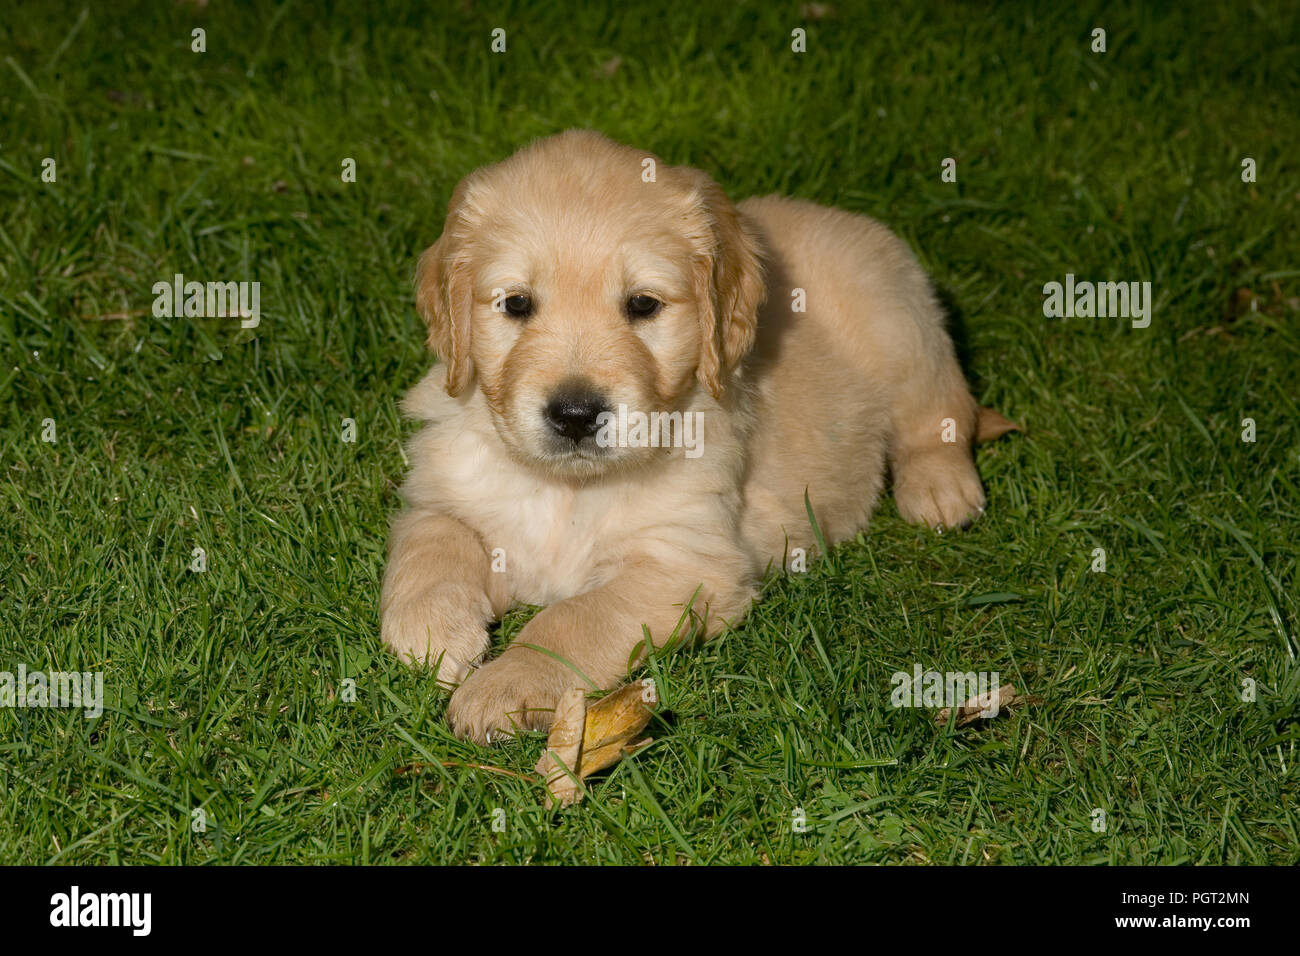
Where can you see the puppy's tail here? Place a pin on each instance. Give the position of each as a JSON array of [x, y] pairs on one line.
[[992, 425]]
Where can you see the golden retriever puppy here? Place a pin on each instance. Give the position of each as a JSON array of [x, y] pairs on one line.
[[639, 382]]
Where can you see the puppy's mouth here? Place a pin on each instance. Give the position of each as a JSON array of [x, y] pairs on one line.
[[586, 451], [582, 460]]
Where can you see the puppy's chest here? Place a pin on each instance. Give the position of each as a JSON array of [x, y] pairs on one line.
[[549, 543]]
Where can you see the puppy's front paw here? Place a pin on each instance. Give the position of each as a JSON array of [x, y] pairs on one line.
[[443, 627], [517, 691], [940, 489]]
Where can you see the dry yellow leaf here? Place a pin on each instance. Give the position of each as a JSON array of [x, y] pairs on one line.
[[984, 706], [587, 738]]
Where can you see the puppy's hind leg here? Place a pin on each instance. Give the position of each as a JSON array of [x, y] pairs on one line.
[[934, 420]]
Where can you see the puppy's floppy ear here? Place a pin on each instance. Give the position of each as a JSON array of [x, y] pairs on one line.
[[443, 294], [728, 285]]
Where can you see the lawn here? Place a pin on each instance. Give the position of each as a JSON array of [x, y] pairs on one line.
[[227, 735]]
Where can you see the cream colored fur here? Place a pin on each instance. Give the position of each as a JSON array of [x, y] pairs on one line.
[[616, 543]]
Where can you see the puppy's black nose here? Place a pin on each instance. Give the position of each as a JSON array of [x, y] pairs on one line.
[[573, 412]]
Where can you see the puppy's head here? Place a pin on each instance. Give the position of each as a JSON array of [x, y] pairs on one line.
[[580, 275]]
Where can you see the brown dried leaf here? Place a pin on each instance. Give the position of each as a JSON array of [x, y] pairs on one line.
[[585, 739], [564, 749], [976, 708]]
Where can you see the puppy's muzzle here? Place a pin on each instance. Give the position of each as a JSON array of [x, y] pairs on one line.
[[573, 411]]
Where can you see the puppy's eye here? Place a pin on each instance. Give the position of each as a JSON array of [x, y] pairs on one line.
[[642, 306], [518, 306]]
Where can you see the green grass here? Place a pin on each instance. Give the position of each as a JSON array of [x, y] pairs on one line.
[[222, 687]]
